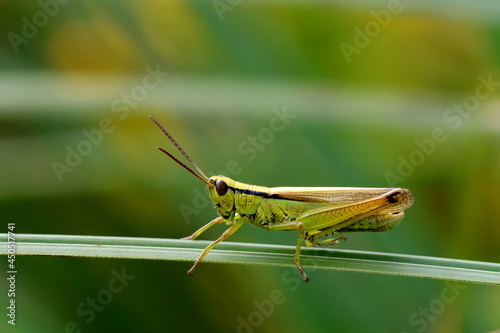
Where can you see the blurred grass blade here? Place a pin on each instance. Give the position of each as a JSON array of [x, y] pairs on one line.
[[258, 254]]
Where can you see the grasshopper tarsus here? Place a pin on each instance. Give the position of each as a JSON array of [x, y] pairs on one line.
[[190, 272], [301, 270]]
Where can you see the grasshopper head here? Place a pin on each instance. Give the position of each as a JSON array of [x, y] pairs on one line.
[[221, 191]]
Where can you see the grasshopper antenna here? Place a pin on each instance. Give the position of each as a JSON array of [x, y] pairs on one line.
[[202, 175]]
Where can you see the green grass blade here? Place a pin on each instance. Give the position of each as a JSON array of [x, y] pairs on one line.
[[257, 254]]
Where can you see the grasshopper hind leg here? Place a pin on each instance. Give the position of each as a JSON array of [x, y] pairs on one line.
[[314, 238], [326, 242]]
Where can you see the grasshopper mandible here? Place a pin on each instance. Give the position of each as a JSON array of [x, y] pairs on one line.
[[315, 212]]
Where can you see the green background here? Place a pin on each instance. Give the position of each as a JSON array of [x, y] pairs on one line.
[[356, 120]]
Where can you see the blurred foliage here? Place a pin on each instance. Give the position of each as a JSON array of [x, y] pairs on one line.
[[354, 121]]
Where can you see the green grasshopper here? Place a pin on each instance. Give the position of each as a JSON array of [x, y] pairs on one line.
[[314, 212]]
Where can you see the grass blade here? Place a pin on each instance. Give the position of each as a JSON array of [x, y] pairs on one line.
[[257, 254]]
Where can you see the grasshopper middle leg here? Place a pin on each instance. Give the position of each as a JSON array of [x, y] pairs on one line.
[[294, 226], [297, 257]]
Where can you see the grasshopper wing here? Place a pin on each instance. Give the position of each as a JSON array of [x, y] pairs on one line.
[[343, 206]]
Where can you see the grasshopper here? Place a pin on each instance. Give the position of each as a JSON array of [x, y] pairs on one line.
[[314, 212]]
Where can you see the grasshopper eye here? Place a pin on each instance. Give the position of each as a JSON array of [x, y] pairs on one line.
[[221, 187]]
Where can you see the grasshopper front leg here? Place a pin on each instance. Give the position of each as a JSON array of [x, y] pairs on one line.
[[205, 227], [224, 236]]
